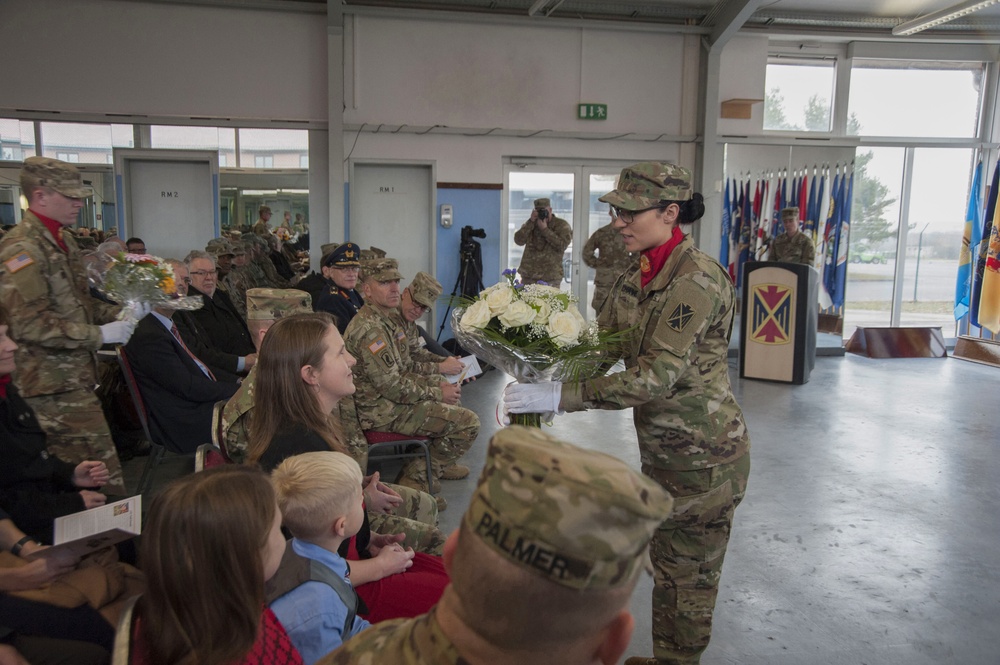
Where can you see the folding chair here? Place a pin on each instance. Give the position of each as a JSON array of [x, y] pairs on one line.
[[386, 445], [207, 456], [157, 449], [122, 650]]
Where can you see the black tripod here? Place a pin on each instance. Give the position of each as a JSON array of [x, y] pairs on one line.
[[470, 276]]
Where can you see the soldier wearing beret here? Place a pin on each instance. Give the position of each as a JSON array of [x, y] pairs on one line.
[[390, 397], [406, 511], [416, 299], [341, 267], [544, 238], [542, 567], [792, 246], [677, 307], [57, 324]]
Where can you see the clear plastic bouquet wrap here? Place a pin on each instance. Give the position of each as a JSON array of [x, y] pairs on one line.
[[533, 332], [131, 279]]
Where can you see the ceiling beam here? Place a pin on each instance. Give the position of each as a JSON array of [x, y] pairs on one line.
[[727, 17]]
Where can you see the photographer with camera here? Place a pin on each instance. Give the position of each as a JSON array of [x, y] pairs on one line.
[[544, 238]]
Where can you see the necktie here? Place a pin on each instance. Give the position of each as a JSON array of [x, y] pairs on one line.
[[177, 335]]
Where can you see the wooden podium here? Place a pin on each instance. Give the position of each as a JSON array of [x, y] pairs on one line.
[[780, 312]]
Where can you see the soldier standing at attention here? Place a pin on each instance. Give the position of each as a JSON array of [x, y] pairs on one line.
[[54, 319], [392, 398], [792, 246], [542, 567], [677, 305], [605, 252], [544, 238]]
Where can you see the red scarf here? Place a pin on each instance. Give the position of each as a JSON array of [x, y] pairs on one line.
[[4, 382], [54, 227], [652, 260]]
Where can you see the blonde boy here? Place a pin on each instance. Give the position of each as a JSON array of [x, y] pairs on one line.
[[319, 495]]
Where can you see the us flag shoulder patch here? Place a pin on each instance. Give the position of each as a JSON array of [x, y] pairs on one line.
[[22, 260], [377, 346]]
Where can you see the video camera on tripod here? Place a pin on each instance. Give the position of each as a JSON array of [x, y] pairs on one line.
[[470, 274], [468, 244]]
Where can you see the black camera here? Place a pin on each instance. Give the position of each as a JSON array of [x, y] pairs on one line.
[[468, 233], [543, 213]]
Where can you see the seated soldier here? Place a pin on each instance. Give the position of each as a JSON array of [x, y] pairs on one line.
[[179, 390], [429, 356], [542, 567], [391, 397], [393, 509], [319, 495], [341, 267], [316, 283]]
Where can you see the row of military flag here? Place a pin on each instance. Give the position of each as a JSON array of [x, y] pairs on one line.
[[751, 219], [977, 287]]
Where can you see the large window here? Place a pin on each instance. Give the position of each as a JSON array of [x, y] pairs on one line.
[[83, 142], [918, 99], [273, 148], [17, 140], [799, 94], [222, 139]]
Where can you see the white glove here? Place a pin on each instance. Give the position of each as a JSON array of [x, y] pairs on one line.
[[532, 397], [140, 310], [116, 332]]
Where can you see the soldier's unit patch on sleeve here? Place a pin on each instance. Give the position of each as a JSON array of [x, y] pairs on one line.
[[377, 346], [19, 261], [680, 317]]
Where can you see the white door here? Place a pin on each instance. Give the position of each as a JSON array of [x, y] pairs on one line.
[[392, 208]]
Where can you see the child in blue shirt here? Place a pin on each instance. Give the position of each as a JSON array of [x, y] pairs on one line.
[[320, 498]]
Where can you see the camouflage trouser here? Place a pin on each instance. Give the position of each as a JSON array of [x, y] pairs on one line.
[[687, 553], [416, 517], [452, 429], [76, 431]]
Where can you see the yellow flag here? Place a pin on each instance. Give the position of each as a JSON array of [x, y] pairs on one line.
[[989, 302]]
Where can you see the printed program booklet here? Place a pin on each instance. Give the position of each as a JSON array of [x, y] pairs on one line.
[[97, 528], [470, 370]]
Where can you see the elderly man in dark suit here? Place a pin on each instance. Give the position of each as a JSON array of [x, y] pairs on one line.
[[179, 390], [215, 333]]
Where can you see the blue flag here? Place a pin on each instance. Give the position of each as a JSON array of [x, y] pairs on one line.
[[978, 258], [811, 210], [726, 228], [843, 240], [830, 239], [973, 227]]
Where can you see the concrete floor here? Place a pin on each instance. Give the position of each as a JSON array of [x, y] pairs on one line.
[[869, 533]]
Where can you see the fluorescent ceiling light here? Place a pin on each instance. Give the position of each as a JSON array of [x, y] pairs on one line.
[[941, 16]]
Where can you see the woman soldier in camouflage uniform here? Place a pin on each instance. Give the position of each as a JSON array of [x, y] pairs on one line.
[[676, 307]]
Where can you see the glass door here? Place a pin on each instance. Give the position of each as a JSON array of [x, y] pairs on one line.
[[573, 193]]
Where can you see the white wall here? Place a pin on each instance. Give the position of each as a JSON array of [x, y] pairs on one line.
[[112, 56], [742, 75], [486, 75]]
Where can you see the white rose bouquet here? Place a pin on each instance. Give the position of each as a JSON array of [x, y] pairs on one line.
[[140, 278], [533, 332]]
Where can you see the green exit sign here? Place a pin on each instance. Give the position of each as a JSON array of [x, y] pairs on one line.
[[592, 111]]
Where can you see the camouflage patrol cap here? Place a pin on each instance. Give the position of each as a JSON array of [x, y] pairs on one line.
[[381, 270], [424, 289], [239, 249], [543, 203], [646, 184], [372, 252], [328, 247], [270, 304], [55, 174], [346, 255], [220, 247], [792, 212], [261, 210], [576, 517]]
